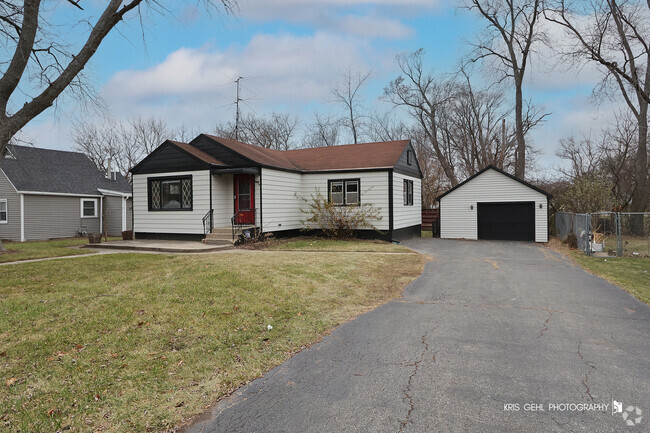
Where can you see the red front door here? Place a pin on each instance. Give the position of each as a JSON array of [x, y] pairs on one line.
[[245, 199]]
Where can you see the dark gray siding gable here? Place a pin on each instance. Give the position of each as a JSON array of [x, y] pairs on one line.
[[168, 158], [402, 166]]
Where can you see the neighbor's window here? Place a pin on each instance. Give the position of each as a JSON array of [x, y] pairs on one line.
[[88, 208], [3, 211], [408, 192], [344, 192], [170, 193]]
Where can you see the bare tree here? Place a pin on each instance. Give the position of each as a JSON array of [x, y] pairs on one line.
[[423, 96], [277, 131], [348, 94], [119, 145], [45, 62], [323, 131], [616, 36], [513, 29]]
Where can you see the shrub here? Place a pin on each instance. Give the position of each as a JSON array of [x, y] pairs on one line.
[[338, 221], [572, 241]]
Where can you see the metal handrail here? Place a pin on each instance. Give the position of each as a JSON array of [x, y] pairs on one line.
[[208, 222], [234, 224]]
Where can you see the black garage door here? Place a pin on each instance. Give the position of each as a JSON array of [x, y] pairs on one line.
[[506, 221]]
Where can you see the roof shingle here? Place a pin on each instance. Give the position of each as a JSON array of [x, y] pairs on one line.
[[57, 171]]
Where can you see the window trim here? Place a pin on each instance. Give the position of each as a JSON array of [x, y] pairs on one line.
[[344, 181], [168, 178], [407, 192], [409, 157], [81, 203], [6, 202]]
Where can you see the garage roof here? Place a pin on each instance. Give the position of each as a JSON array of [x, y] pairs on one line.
[[491, 167]]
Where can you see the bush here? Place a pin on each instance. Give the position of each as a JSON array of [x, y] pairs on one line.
[[572, 241], [338, 221]]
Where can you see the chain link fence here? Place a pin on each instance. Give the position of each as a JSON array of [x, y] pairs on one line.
[[606, 233]]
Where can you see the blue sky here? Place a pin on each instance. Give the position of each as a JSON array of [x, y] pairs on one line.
[[291, 53]]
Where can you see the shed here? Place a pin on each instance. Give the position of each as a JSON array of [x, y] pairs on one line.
[[494, 205]]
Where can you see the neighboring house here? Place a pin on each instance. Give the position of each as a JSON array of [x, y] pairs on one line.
[[495, 205], [179, 185], [46, 194]]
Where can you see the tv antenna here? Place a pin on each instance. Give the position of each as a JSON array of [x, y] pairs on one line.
[[237, 109]]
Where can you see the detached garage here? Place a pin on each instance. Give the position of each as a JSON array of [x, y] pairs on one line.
[[494, 205]]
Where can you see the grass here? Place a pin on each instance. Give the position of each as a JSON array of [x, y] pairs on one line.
[[321, 244], [139, 342], [44, 249], [630, 273], [426, 234]]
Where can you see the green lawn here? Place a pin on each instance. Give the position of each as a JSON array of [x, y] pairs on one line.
[[43, 249], [321, 244], [629, 273], [144, 342]]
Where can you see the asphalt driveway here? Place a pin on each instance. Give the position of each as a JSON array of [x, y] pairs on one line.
[[488, 339]]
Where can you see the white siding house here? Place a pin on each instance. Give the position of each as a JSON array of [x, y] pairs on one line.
[[224, 174], [494, 205]]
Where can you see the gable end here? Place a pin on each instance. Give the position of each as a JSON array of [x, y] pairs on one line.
[[407, 163], [169, 157]]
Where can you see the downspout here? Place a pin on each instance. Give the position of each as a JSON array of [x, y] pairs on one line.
[[101, 215], [22, 217], [390, 204], [211, 211]]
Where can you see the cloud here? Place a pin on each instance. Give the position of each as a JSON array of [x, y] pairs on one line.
[[281, 72]]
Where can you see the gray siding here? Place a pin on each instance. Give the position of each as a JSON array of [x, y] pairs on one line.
[[113, 215], [11, 230], [48, 217]]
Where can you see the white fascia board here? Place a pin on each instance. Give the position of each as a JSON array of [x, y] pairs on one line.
[[64, 194], [114, 193]]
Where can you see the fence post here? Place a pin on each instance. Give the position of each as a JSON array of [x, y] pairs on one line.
[[619, 236], [589, 234]]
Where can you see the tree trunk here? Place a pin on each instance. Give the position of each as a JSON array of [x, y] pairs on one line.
[[640, 196], [520, 154]]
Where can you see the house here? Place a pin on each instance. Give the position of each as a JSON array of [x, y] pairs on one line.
[[183, 190], [47, 194], [494, 204]]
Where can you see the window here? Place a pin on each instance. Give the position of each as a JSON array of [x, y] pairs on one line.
[[3, 211], [88, 208], [408, 192], [408, 157], [170, 193], [344, 192]]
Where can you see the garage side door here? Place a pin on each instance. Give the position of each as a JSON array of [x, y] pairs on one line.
[[506, 221]]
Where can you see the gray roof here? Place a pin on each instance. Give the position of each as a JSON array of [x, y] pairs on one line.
[[57, 171]]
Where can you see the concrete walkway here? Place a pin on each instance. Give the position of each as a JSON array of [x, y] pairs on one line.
[[486, 340], [160, 246]]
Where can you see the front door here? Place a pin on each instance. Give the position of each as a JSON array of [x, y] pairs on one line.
[[245, 199]]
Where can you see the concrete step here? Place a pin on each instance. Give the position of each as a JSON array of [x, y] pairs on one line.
[[219, 236], [213, 241]]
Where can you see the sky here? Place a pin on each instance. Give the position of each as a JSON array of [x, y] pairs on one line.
[[180, 66]]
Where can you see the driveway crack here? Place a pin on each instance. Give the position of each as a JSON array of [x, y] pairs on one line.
[[407, 392], [550, 314], [585, 380]]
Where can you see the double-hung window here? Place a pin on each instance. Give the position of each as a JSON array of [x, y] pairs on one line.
[[344, 192], [4, 211], [408, 192], [170, 193], [88, 208]]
